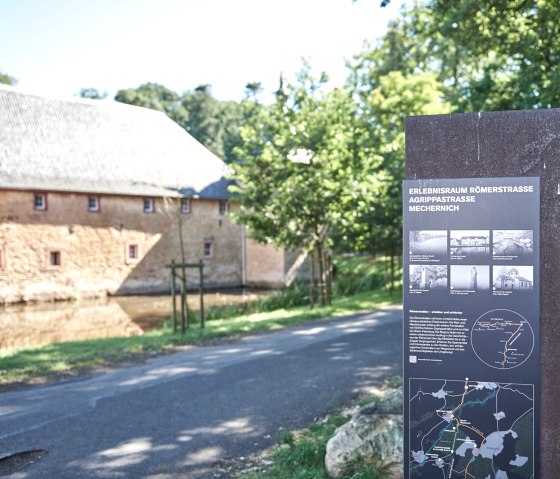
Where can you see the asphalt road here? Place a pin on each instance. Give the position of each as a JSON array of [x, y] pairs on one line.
[[177, 415]]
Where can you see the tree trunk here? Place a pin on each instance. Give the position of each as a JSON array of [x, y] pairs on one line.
[[328, 276], [386, 271], [311, 278], [392, 253], [320, 266]]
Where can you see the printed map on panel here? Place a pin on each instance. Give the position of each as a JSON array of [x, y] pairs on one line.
[[470, 429]]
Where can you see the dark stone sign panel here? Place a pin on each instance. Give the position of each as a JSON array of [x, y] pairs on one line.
[[512, 144], [471, 316]]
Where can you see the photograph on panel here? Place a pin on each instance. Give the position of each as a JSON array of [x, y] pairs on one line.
[[469, 277], [468, 243], [428, 277], [428, 242], [513, 278], [512, 242]]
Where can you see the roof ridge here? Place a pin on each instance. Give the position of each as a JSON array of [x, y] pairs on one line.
[[48, 142], [105, 102]]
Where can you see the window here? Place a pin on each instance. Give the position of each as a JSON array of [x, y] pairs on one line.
[[208, 248], [224, 207], [185, 206], [55, 258], [132, 253], [94, 204], [40, 201], [149, 205]]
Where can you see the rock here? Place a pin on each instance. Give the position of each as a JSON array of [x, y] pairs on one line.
[[374, 436]]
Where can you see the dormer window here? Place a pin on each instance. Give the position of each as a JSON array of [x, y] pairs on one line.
[[224, 207], [149, 205], [40, 201]]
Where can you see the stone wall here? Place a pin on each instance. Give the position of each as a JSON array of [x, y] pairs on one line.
[[94, 247], [265, 265], [270, 267]]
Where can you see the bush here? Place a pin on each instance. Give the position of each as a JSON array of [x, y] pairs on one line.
[[295, 295], [357, 274]]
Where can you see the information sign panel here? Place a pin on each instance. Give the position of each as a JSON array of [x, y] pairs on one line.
[[471, 328]]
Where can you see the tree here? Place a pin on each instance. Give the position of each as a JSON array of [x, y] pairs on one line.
[[373, 218], [7, 79], [438, 57], [93, 93], [213, 122], [489, 55], [204, 120], [295, 161], [156, 97]]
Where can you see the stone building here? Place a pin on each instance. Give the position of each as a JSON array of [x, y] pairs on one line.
[[92, 196], [513, 280]]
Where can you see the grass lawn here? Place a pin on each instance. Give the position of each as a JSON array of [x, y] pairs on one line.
[[24, 364]]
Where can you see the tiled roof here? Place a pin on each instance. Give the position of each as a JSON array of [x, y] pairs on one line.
[[100, 146]]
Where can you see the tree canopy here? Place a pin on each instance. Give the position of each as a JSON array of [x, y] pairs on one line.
[[489, 55], [93, 93], [7, 79]]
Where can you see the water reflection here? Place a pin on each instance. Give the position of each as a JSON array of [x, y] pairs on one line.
[[29, 325]]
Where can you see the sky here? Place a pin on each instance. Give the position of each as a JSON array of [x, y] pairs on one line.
[[57, 47]]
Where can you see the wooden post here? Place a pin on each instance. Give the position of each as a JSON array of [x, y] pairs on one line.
[[183, 306], [173, 294], [185, 298], [201, 292], [185, 312]]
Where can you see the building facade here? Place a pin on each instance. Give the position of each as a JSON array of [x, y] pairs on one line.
[[95, 197]]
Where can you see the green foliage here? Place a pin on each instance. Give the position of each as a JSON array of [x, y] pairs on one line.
[[212, 122], [156, 97], [395, 382], [301, 455], [438, 57], [373, 220], [292, 155], [489, 55], [286, 437], [291, 296], [7, 79], [296, 161], [358, 273], [93, 93]]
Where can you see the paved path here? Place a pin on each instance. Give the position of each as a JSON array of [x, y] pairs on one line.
[[175, 416]]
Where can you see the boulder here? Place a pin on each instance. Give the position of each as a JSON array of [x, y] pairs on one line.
[[374, 436]]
